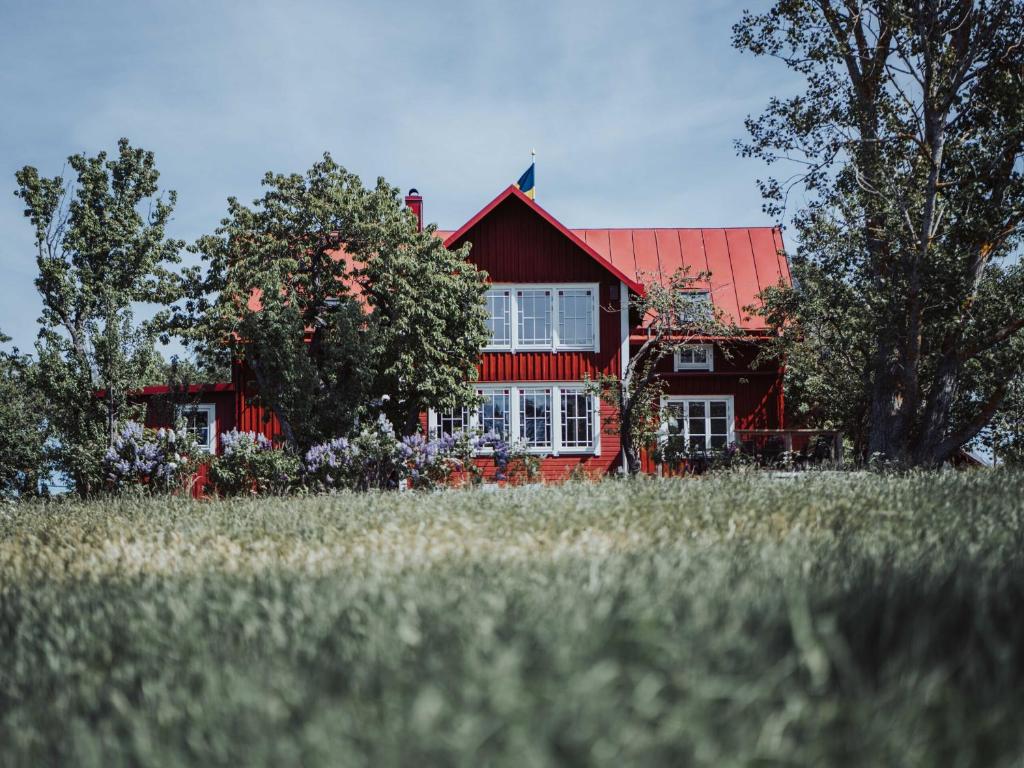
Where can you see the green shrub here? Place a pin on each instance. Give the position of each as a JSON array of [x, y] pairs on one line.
[[250, 465]]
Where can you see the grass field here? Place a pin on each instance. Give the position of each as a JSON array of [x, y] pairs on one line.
[[728, 621]]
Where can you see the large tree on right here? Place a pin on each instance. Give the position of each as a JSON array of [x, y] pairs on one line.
[[906, 146]]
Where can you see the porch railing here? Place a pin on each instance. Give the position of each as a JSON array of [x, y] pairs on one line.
[[769, 448], [800, 447]]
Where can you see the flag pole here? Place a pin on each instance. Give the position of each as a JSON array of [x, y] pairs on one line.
[[533, 164]]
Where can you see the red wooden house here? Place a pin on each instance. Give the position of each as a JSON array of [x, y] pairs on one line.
[[559, 311]]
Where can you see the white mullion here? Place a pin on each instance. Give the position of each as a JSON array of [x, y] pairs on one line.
[[513, 308], [556, 419], [553, 307], [513, 413], [596, 423]]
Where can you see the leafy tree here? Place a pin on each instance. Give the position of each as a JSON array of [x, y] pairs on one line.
[[908, 137], [1005, 435], [673, 319], [100, 248], [338, 304], [23, 461]]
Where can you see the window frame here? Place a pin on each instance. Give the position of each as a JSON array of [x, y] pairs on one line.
[[211, 420], [730, 416], [554, 390], [706, 300], [555, 345], [510, 318], [707, 365]]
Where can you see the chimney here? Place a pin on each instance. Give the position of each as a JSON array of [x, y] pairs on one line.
[[414, 202]]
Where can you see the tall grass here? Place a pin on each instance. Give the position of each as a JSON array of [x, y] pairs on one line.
[[726, 621]]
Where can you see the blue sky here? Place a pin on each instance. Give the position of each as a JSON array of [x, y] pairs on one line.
[[632, 108]]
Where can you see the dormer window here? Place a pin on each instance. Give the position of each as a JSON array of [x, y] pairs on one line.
[[696, 308]]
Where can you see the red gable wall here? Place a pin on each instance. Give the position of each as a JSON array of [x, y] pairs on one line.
[[515, 245]]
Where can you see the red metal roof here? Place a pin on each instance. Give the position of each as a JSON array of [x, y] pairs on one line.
[[742, 261]]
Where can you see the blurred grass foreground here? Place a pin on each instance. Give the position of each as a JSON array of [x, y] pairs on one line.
[[724, 621]]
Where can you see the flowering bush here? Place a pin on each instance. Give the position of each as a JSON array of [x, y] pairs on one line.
[[512, 460], [373, 459], [431, 463], [160, 461], [248, 464], [377, 459]]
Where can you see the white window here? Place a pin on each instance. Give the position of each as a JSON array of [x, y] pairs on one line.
[[494, 415], [543, 317], [533, 310], [450, 422], [577, 418], [696, 357], [535, 417], [201, 423], [549, 418], [700, 424], [576, 317], [499, 310], [696, 308]]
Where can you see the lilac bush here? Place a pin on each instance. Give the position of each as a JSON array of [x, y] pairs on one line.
[[512, 460], [377, 459], [328, 465], [159, 461], [249, 465]]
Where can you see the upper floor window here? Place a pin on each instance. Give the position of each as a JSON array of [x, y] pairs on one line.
[[576, 317], [499, 307], [548, 317], [533, 310], [695, 357], [696, 308]]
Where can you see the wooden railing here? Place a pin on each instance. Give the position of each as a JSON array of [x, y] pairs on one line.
[[768, 448]]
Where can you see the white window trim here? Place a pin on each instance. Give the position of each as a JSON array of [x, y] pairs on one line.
[[708, 365], [556, 387], [730, 413], [555, 345], [211, 410]]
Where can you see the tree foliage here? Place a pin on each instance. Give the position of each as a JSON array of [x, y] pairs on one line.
[[23, 431], [908, 139], [328, 292], [101, 247]]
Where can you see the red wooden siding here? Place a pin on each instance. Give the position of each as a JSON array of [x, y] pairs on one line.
[[514, 245], [250, 414]]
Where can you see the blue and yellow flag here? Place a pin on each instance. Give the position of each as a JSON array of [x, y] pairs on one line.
[[525, 183]]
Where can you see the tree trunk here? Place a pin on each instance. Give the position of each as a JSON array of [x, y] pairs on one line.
[[630, 454]]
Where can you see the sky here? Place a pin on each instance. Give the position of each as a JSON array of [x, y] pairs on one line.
[[633, 108]]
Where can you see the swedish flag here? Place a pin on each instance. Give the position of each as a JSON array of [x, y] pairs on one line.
[[525, 183]]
